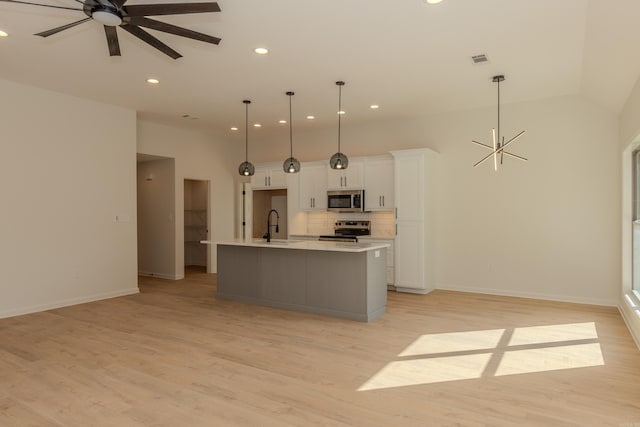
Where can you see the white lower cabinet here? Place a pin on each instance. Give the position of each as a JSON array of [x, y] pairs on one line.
[[410, 255]]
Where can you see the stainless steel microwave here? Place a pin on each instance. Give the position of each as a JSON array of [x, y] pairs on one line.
[[345, 201]]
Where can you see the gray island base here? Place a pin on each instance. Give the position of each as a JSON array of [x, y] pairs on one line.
[[346, 280]]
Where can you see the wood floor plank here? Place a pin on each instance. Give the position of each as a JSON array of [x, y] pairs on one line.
[[174, 355]]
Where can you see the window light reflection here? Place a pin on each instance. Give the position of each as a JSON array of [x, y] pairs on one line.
[[469, 355]]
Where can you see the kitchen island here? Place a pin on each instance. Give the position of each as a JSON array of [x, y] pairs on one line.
[[339, 279]]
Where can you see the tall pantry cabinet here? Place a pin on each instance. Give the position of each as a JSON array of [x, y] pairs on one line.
[[415, 173]]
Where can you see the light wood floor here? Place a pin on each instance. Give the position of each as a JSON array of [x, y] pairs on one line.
[[175, 356]]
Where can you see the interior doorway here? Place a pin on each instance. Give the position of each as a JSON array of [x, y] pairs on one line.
[[196, 226]]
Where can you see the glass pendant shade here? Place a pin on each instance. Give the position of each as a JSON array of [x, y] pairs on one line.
[[246, 168], [291, 165], [339, 160]]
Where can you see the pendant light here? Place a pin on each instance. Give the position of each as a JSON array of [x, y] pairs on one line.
[[291, 165], [339, 160], [246, 168], [499, 145]]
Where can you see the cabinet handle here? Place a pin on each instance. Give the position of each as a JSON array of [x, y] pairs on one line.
[[265, 181], [269, 181], [379, 200], [382, 200], [396, 229], [345, 181]]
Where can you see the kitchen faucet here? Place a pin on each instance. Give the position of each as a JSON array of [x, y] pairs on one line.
[[267, 235]]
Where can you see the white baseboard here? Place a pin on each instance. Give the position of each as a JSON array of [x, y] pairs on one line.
[[65, 303], [160, 275], [531, 295], [412, 290], [631, 319]]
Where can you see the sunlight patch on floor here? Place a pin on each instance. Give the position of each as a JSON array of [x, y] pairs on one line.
[[454, 341], [550, 359], [553, 333], [454, 356], [427, 371]]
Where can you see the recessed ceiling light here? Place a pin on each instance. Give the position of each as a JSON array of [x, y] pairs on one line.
[[374, 106], [234, 128], [282, 121], [3, 34], [261, 50], [257, 125], [311, 117], [433, 1], [341, 112], [153, 81]]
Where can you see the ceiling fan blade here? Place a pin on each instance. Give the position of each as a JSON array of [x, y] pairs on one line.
[[112, 40], [170, 9], [173, 29], [119, 3], [148, 38], [64, 27], [38, 4]]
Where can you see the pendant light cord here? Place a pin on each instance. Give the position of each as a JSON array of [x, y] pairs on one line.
[[498, 112], [339, 111], [246, 131], [290, 126]]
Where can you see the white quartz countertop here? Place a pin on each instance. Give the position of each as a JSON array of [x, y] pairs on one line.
[[315, 236], [309, 245]]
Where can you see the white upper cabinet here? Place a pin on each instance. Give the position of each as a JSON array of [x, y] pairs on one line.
[[269, 176], [345, 179], [378, 185], [313, 186]]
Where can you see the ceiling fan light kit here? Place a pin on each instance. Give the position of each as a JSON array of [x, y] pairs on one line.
[[339, 160], [498, 148], [113, 13]]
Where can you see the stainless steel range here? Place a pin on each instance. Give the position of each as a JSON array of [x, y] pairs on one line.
[[348, 231]]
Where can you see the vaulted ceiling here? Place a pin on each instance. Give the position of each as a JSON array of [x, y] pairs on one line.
[[406, 56]]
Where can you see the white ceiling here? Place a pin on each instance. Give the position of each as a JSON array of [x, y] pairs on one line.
[[407, 56]]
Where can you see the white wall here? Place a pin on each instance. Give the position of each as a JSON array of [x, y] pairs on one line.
[[202, 157], [548, 228], [156, 213], [67, 168]]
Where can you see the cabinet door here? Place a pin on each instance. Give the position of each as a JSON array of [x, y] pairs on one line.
[[409, 255], [409, 187], [379, 188], [277, 178], [260, 179], [344, 179], [313, 187]]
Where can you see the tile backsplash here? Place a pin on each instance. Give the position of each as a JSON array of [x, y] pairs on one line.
[[382, 223]]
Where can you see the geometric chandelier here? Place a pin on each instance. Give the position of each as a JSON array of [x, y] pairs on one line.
[[498, 148]]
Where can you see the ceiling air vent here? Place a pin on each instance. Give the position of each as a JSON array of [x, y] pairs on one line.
[[479, 59]]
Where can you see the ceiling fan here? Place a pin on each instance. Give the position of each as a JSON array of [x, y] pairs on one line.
[[113, 13]]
